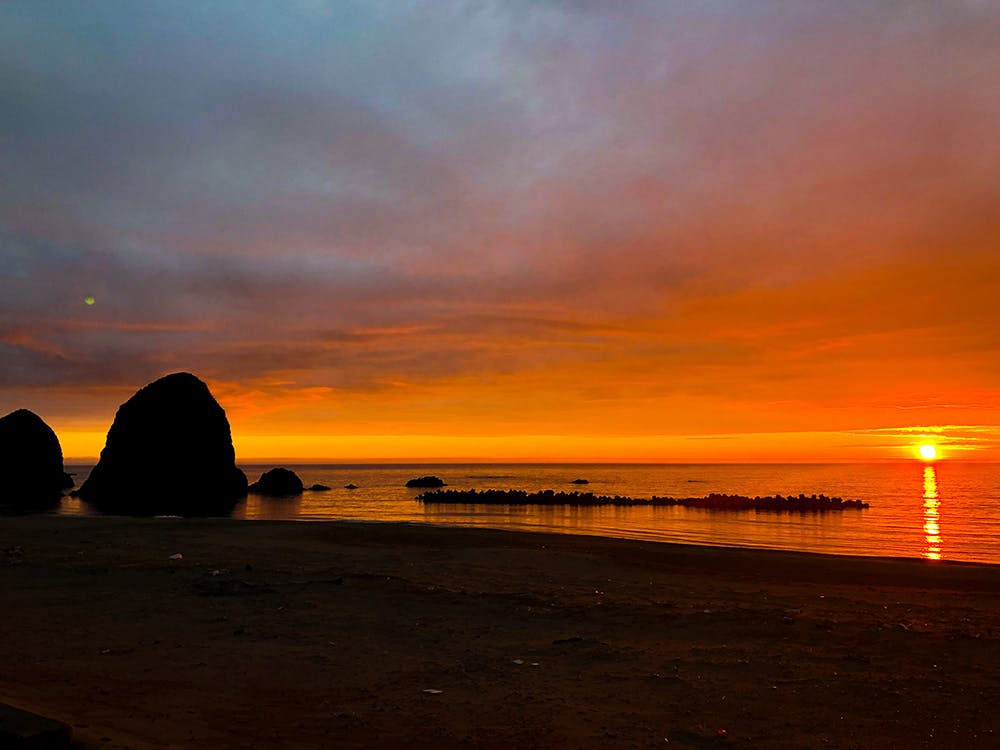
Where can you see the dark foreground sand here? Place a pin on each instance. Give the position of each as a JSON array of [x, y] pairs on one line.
[[273, 635]]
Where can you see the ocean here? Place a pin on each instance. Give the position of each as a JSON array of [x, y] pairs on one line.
[[942, 511]]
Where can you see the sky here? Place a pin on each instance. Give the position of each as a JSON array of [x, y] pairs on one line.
[[699, 230]]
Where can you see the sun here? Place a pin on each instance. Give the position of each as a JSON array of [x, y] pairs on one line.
[[927, 452]]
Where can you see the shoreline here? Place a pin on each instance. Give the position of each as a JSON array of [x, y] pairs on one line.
[[893, 525], [292, 634], [525, 530]]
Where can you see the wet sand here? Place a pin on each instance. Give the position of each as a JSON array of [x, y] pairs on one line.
[[302, 635]]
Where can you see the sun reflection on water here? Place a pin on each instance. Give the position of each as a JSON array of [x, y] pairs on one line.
[[932, 515]]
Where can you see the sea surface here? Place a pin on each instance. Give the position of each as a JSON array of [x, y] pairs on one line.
[[941, 511]]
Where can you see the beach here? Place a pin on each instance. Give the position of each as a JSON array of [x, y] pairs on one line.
[[369, 635]]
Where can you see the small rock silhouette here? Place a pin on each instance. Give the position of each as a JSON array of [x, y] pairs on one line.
[[428, 481], [278, 482]]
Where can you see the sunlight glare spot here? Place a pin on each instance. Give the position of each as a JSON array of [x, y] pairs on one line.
[[932, 515]]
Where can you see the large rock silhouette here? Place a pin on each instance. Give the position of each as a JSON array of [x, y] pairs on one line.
[[31, 463], [174, 427]]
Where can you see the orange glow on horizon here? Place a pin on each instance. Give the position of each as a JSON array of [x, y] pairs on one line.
[[796, 447], [281, 420], [928, 452]]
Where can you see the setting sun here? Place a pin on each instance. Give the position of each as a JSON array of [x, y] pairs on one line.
[[927, 452]]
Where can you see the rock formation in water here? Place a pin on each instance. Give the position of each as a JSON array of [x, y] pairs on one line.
[[429, 481], [278, 482], [169, 450], [319, 488], [31, 463]]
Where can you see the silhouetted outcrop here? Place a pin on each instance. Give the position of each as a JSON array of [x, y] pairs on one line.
[[278, 482], [318, 488], [429, 481], [802, 503], [176, 423], [31, 463], [350, 486], [580, 481]]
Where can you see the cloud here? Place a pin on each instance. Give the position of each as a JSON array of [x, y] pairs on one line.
[[750, 203]]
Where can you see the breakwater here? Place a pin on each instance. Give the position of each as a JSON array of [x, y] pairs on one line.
[[714, 501]]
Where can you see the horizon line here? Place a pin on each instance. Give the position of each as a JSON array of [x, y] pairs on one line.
[[446, 460]]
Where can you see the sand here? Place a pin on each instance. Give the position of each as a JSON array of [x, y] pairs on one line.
[[301, 635]]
